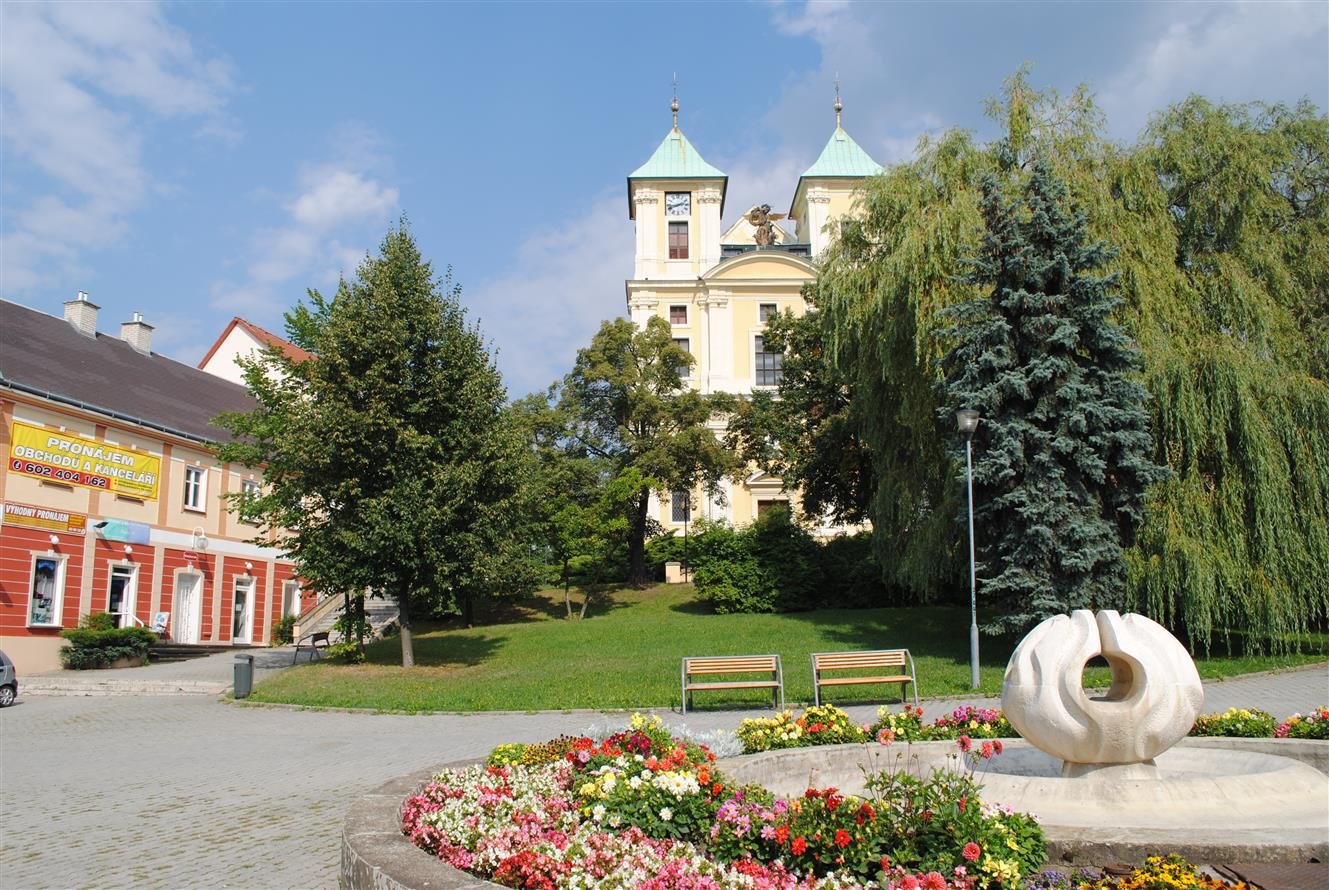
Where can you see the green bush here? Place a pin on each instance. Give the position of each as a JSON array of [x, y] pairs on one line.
[[93, 648], [97, 621], [348, 652], [283, 632], [726, 571]]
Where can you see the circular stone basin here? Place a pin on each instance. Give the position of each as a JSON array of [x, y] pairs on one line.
[[1205, 802]]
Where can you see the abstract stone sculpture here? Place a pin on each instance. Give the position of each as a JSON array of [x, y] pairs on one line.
[[1153, 701]]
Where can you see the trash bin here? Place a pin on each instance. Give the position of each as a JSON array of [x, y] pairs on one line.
[[244, 675]]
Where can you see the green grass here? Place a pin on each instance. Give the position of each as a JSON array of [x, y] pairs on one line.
[[626, 654]]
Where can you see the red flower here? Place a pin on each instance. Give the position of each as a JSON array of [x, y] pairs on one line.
[[842, 838], [716, 789], [926, 815], [934, 881], [799, 846], [964, 801], [885, 862], [987, 751], [964, 743], [971, 852], [782, 834], [996, 745]]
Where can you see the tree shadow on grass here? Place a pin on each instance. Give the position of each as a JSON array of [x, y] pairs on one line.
[[926, 631], [542, 605], [437, 650]]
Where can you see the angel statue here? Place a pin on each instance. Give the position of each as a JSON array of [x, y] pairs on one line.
[[764, 222]]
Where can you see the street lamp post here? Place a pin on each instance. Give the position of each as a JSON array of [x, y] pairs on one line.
[[968, 421]]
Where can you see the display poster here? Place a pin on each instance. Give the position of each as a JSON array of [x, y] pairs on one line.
[[45, 518], [63, 457]]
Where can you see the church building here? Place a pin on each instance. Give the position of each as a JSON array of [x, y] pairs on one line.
[[717, 287]]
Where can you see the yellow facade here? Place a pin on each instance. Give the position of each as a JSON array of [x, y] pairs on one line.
[[716, 295]]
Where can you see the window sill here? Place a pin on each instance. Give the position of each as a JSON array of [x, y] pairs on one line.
[[45, 626], [199, 510]]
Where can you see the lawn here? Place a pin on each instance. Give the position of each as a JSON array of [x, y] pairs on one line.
[[626, 655]]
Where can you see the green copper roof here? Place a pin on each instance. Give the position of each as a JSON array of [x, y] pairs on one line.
[[842, 156], [676, 159]]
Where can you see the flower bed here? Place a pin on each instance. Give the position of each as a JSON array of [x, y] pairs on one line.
[[828, 725], [642, 809]]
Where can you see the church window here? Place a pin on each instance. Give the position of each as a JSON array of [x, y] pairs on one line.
[[680, 506], [678, 241], [678, 314], [769, 365], [685, 344], [766, 311]]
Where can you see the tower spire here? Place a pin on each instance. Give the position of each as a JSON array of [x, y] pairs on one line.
[[838, 104], [673, 106]]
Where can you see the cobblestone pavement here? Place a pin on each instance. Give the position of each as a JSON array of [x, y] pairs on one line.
[[186, 791]]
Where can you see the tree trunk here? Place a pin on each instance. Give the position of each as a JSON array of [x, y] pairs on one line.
[[360, 623], [404, 619], [567, 586], [637, 542]]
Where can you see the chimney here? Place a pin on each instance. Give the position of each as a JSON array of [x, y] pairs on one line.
[[82, 314], [137, 333]]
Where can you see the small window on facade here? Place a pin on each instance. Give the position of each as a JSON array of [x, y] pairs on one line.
[[685, 344], [769, 365], [290, 598], [680, 506], [48, 589], [678, 314], [766, 311], [196, 486], [678, 241], [765, 507], [249, 488]]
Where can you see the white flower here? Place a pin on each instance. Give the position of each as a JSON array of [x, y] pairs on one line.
[[598, 813], [666, 814], [639, 758]]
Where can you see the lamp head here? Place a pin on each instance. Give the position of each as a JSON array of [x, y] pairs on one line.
[[967, 418]]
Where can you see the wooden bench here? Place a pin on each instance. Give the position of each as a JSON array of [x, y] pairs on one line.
[[730, 665], [313, 642], [887, 665]]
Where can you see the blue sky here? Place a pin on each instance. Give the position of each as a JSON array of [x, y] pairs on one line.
[[198, 161]]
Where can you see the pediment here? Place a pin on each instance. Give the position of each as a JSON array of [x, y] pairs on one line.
[[765, 264], [742, 231]]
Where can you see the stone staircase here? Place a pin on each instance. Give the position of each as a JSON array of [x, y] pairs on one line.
[[378, 612]]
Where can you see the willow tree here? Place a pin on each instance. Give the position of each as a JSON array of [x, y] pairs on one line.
[[1221, 217]]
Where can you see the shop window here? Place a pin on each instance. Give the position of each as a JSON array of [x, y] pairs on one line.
[[766, 311], [290, 598], [678, 241], [678, 314], [769, 365], [680, 506], [47, 591], [196, 487]]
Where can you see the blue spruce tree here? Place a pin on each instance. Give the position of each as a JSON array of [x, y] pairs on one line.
[[1062, 454]]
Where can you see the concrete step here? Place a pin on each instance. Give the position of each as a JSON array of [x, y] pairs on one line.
[[82, 686]]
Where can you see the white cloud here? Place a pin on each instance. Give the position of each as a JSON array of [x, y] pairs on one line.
[[332, 201], [551, 302], [79, 80], [1232, 52]]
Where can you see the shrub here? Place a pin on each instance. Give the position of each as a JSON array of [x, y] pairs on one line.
[[283, 631], [346, 652], [726, 572], [1235, 722], [97, 621], [93, 647]]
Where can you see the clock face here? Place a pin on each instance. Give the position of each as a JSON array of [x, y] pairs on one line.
[[678, 203]]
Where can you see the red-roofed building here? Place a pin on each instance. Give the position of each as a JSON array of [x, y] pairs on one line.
[[242, 339]]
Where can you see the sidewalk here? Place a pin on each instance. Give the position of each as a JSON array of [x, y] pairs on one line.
[[208, 675]]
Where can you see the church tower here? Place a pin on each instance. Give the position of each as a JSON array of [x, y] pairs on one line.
[[676, 199], [826, 190]]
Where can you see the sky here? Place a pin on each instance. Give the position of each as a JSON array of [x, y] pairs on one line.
[[197, 161]]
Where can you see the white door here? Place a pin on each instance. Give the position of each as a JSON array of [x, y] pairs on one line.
[[242, 615], [188, 607], [120, 597]]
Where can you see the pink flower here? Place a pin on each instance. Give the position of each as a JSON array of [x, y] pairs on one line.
[[885, 736], [996, 745], [986, 751], [908, 882], [971, 852], [934, 881], [964, 743]]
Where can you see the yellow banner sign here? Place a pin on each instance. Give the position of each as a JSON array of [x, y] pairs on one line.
[[62, 457], [45, 518]]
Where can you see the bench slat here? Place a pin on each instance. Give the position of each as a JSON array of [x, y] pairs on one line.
[[740, 684], [844, 681]]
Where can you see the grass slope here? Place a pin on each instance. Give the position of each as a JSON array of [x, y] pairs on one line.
[[626, 655]]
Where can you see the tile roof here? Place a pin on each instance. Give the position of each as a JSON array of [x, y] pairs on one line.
[[262, 335], [43, 354]]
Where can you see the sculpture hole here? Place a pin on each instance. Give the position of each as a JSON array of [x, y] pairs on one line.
[[1108, 671]]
